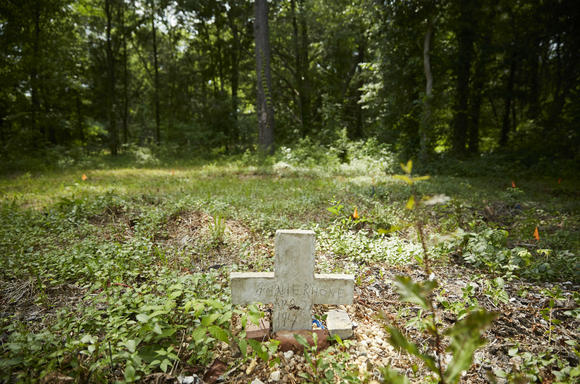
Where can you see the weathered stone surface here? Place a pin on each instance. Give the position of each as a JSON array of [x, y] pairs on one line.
[[275, 376], [293, 287], [289, 343], [258, 332], [338, 323]]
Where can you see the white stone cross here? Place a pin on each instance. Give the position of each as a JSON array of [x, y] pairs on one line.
[[292, 287]]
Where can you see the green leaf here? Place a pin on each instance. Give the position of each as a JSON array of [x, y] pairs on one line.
[[88, 339], [405, 178], [207, 320], [392, 228], [196, 305], [410, 203], [129, 373], [198, 333], [175, 294], [243, 346], [225, 318], [219, 333], [143, 318], [465, 339], [131, 345], [259, 350], [164, 365], [408, 168], [302, 340], [398, 340], [416, 293], [215, 304], [391, 376]]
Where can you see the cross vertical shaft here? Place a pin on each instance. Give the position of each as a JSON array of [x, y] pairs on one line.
[[294, 269]]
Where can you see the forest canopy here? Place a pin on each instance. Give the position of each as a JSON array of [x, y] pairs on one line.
[[423, 77]]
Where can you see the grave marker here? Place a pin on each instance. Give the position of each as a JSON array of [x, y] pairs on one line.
[[293, 287]]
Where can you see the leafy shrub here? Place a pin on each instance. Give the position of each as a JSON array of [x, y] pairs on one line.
[[488, 249]]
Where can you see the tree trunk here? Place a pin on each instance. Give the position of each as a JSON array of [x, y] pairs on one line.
[[297, 65], [264, 95], [156, 74], [476, 98], [300, 37], [235, 74], [125, 79], [305, 95], [465, 38], [534, 100], [113, 136], [34, 78], [79, 105], [358, 124], [426, 121], [505, 127]]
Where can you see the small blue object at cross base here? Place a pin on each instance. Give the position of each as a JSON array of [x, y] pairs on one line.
[[317, 323]]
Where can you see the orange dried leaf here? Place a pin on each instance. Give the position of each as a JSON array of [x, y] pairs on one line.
[[536, 234], [355, 214], [84, 177], [173, 172], [559, 180], [513, 184]]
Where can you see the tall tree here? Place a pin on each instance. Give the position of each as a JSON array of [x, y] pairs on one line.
[[301, 63], [465, 39], [124, 32], [265, 107], [156, 75], [427, 108], [111, 94], [34, 76]]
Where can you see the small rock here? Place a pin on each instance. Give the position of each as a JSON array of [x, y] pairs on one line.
[[275, 376], [189, 379], [257, 381], [288, 354]]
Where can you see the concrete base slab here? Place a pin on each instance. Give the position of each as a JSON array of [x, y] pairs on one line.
[[338, 323]]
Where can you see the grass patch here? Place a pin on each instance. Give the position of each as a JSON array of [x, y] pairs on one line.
[[124, 275]]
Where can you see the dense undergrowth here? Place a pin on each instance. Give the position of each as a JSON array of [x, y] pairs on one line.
[[98, 284]]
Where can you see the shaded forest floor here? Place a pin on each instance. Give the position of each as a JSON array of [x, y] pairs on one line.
[[122, 274]]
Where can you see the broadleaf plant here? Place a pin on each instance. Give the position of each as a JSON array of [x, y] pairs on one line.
[[465, 335]]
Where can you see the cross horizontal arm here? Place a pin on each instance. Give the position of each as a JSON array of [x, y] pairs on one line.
[[251, 287], [333, 289]]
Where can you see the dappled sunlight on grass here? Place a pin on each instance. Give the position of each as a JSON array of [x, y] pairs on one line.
[[156, 231]]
